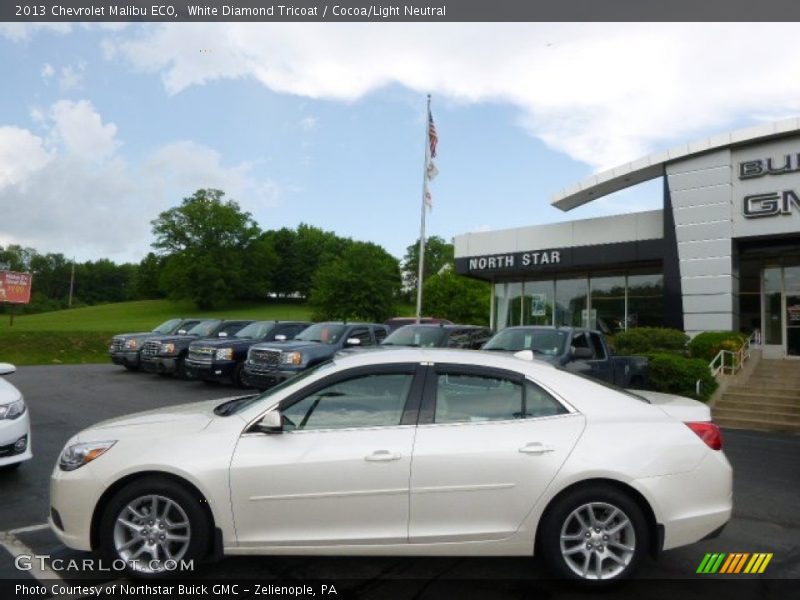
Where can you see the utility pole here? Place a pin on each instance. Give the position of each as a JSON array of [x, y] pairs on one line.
[[71, 283]]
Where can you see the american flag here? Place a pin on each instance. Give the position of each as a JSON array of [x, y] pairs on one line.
[[433, 138]]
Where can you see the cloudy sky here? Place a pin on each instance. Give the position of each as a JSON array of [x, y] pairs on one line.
[[102, 127]]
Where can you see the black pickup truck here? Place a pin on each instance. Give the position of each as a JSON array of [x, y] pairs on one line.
[[270, 363], [583, 351], [166, 355], [223, 360], [125, 348]]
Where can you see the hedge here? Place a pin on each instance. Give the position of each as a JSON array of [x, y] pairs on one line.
[[642, 340], [707, 345], [675, 374]]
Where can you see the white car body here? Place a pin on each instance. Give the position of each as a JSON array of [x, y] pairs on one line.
[[12, 430], [466, 488]]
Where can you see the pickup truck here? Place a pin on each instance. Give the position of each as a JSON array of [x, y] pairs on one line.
[[271, 363], [582, 351], [223, 359], [166, 355], [125, 348]]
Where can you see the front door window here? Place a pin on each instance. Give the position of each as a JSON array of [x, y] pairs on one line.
[[792, 282], [773, 314]]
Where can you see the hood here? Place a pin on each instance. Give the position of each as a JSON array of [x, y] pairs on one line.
[[183, 418], [128, 336], [678, 407], [290, 345], [8, 393], [231, 342]]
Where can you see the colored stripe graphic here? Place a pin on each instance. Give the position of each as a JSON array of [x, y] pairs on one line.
[[734, 563]]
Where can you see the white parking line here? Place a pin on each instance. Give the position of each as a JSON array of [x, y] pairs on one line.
[[28, 529], [17, 548]]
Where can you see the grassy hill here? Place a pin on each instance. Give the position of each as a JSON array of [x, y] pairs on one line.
[[81, 335]]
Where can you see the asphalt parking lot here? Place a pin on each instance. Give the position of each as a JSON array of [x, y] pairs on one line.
[[65, 399]]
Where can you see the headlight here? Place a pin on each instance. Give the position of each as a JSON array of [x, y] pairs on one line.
[[291, 358], [224, 354], [131, 344], [12, 410], [77, 455], [167, 348]]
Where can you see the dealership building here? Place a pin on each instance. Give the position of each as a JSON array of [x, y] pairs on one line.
[[723, 253]]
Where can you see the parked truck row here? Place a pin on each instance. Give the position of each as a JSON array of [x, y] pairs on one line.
[[261, 354]]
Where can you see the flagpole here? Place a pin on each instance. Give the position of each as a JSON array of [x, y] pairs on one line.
[[423, 208]]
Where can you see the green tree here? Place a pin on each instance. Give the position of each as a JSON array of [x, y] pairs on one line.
[[438, 253], [148, 277], [458, 298], [361, 284], [213, 250]]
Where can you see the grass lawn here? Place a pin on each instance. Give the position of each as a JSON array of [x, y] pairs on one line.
[[81, 335]]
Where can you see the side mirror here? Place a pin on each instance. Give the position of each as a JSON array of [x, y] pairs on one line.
[[582, 353], [222, 334], [270, 423], [280, 338], [181, 332], [352, 342], [7, 368]]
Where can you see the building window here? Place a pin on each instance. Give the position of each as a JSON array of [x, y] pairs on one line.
[[571, 301], [645, 301], [508, 304], [608, 304], [538, 301]]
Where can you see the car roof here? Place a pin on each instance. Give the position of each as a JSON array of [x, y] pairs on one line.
[[445, 326], [406, 354]]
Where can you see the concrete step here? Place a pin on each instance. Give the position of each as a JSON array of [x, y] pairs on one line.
[[757, 396], [757, 380], [763, 424], [756, 414], [765, 406], [776, 389]]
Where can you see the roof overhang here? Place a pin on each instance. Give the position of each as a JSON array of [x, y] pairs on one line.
[[652, 166]]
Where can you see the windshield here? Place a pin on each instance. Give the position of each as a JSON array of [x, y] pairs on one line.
[[237, 405], [256, 330], [325, 333], [416, 335], [204, 328], [167, 326], [549, 342]]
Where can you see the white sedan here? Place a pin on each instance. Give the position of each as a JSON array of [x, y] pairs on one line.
[[15, 426], [404, 452]]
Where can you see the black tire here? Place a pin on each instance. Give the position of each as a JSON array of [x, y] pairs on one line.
[[637, 383], [602, 542], [198, 530], [210, 382], [11, 467], [236, 377], [131, 367], [180, 368]]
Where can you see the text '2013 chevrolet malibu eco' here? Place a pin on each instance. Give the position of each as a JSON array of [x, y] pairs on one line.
[[409, 451]]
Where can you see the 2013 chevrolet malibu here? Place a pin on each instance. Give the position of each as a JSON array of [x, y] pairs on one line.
[[404, 452]]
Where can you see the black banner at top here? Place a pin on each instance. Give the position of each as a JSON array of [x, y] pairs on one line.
[[399, 10]]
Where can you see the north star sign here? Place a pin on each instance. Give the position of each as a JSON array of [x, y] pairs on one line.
[[769, 204], [510, 261]]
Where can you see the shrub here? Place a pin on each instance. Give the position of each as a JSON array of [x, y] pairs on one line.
[[642, 340], [707, 345], [675, 374]]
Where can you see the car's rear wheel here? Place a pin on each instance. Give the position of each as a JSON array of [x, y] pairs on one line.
[[236, 378], [595, 535], [154, 525]]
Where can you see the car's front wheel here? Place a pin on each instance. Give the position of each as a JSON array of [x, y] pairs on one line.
[[154, 526], [595, 535]]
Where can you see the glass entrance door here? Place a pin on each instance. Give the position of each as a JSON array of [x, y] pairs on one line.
[[791, 279]]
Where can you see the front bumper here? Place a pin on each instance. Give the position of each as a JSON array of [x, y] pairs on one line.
[[263, 380], [73, 496], [159, 364], [216, 371], [127, 358], [11, 432]]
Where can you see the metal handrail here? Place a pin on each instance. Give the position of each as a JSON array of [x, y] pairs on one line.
[[719, 364]]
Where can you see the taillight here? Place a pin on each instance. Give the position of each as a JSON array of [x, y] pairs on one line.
[[708, 432]]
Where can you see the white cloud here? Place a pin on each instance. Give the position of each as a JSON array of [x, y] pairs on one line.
[[71, 77], [602, 93], [79, 127], [21, 154], [48, 71], [60, 200], [23, 32]]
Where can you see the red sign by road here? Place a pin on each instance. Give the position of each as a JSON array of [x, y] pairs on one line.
[[15, 287]]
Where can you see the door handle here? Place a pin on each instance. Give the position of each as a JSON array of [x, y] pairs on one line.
[[536, 448], [382, 456]]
